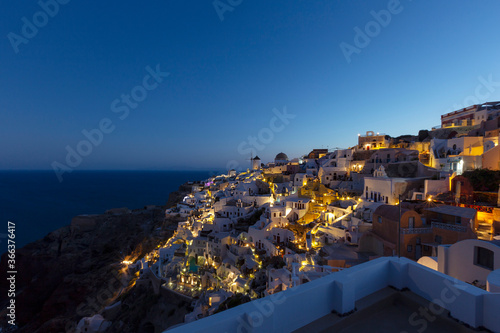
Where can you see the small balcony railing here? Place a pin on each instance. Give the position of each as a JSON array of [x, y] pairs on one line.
[[447, 226], [409, 231]]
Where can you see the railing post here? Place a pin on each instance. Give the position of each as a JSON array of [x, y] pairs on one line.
[[399, 229]]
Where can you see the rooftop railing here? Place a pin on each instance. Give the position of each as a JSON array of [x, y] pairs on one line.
[[446, 226], [411, 231], [339, 292]]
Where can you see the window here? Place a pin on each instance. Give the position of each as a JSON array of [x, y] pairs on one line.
[[409, 248], [458, 220], [438, 239], [411, 222], [483, 257], [379, 219]]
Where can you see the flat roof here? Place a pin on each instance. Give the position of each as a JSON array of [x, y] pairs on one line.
[[296, 199], [387, 310], [469, 213]]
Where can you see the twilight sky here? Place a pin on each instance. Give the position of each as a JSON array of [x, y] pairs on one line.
[[328, 69]]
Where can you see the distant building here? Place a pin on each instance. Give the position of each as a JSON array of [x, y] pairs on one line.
[[420, 234], [256, 163], [373, 141], [281, 159], [335, 166], [471, 115], [317, 153], [491, 158], [457, 154], [386, 156], [401, 178]]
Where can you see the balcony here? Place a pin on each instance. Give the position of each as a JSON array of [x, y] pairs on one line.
[[411, 231], [446, 226]]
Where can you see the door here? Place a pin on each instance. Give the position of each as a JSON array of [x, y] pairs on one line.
[[418, 251]]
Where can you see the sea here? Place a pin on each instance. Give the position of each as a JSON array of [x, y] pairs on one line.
[[37, 203]]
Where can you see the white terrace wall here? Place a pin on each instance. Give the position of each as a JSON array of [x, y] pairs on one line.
[[284, 311]]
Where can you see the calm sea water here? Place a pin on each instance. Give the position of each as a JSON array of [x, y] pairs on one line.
[[39, 204]]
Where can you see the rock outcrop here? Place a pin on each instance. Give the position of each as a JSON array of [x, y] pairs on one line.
[[76, 271]]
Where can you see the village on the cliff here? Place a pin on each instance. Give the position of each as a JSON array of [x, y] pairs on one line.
[[281, 224]]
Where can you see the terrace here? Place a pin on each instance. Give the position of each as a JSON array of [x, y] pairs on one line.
[[339, 301]]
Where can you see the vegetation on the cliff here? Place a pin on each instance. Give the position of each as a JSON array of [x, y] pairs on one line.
[[483, 179]]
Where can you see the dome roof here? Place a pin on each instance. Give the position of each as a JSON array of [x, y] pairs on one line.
[[281, 156]]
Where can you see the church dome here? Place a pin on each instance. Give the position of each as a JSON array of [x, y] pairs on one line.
[[281, 157]]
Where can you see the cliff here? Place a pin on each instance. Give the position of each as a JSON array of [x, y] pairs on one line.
[[76, 271]]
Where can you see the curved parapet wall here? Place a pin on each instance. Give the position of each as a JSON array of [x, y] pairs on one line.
[[493, 282], [430, 262]]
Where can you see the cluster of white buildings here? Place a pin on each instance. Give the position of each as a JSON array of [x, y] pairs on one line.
[[235, 225], [358, 185], [295, 227]]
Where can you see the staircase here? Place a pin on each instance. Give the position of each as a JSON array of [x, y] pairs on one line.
[[484, 231]]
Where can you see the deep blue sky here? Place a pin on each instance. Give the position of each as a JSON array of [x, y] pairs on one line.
[[227, 76]]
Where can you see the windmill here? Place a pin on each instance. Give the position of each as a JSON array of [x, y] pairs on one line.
[[254, 162]]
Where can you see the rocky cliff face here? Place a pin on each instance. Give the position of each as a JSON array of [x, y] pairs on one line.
[[76, 271]]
